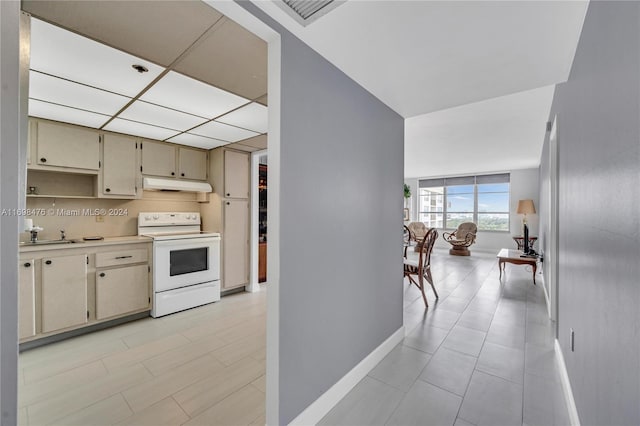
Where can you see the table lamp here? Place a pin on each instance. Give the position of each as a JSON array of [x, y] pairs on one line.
[[525, 207]]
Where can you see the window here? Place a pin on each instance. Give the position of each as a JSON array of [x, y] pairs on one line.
[[447, 202]]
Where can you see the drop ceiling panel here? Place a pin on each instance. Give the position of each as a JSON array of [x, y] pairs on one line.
[[223, 132], [139, 129], [183, 93], [230, 58], [196, 141], [61, 53], [252, 117], [144, 112], [52, 89], [158, 31], [65, 114]]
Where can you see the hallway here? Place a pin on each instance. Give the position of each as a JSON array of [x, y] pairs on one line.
[[483, 354]]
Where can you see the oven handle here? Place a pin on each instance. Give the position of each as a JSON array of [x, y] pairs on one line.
[[185, 242]]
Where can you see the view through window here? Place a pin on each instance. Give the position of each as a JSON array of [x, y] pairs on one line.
[[447, 202]]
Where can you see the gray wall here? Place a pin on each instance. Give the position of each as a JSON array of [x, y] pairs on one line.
[[341, 174], [599, 162], [9, 178]]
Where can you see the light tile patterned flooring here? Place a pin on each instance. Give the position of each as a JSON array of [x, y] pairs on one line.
[[205, 366], [481, 355]]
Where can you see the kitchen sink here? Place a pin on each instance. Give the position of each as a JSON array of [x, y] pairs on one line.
[[49, 242]]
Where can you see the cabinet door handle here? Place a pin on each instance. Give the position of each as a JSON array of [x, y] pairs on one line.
[[108, 190], [43, 160], [48, 262], [173, 173], [228, 203], [26, 265], [102, 274], [123, 257], [181, 174], [228, 195]]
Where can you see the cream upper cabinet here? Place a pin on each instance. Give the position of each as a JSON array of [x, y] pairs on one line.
[[193, 163], [64, 292], [119, 167], [235, 244], [27, 299], [236, 174], [61, 145], [158, 159], [122, 290]]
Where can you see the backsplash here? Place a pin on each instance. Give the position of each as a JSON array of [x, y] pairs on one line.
[[78, 216]]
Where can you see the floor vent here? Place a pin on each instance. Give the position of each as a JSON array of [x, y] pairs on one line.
[[307, 11]]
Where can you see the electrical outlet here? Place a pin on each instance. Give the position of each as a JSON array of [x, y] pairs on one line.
[[572, 339], [99, 218]]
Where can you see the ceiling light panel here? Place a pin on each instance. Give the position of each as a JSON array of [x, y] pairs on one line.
[[196, 141], [159, 116], [252, 117], [65, 114], [139, 129], [222, 131], [65, 54], [186, 94], [52, 89]]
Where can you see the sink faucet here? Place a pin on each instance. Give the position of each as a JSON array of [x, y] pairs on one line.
[[63, 237]]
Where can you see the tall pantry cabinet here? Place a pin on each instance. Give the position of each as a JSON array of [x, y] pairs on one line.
[[228, 212]]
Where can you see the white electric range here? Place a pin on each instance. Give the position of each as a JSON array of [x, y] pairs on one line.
[[186, 261]]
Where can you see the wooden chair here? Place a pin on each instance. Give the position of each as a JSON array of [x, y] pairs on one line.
[[461, 238], [406, 239], [417, 232], [422, 268]]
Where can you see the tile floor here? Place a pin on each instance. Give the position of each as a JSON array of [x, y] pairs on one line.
[[482, 355], [205, 366]]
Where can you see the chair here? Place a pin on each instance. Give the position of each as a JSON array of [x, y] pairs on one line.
[[406, 239], [417, 232], [461, 238], [422, 268]]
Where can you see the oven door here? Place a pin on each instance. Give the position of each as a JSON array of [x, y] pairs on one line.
[[184, 262]]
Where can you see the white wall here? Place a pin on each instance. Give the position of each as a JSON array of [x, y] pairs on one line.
[[413, 201], [524, 185]]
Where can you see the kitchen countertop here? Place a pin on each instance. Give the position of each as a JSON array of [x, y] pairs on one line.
[[132, 239]]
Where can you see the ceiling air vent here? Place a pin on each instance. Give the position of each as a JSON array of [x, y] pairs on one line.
[[307, 11]]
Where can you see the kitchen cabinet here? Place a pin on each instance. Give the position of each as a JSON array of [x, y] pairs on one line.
[[63, 146], [158, 159], [122, 290], [119, 172], [68, 287], [27, 299], [193, 163], [229, 213], [235, 244], [64, 292], [236, 174]]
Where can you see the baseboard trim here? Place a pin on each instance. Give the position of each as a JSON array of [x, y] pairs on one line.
[[566, 386], [321, 406]]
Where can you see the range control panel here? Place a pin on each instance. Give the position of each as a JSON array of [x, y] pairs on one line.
[[168, 218]]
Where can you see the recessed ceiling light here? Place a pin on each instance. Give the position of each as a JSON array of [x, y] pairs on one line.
[[222, 131], [196, 141], [56, 90], [68, 55], [183, 93], [66, 114], [252, 117], [139, 129], [145, 112]]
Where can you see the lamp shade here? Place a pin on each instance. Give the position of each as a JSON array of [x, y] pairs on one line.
[[526, 207]]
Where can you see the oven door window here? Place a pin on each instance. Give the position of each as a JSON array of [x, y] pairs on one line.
[[188, 261]]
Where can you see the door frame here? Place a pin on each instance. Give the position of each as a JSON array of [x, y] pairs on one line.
[[254, 231], [553, 220]]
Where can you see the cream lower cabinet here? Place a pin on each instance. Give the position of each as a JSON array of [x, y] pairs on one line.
[[27, 299], [64, 292], [122, 290], [235, 244]]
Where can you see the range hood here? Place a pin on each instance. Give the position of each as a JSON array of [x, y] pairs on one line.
[[159, 184]]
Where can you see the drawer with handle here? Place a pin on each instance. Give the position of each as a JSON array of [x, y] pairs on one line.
[[121, 257]]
